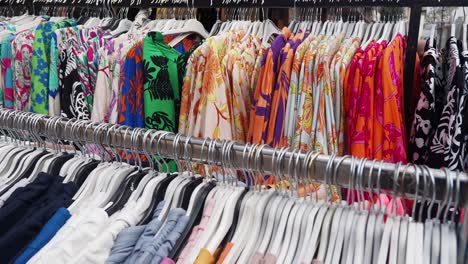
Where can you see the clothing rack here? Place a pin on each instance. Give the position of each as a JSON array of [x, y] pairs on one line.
[[405, 183], [174, 147], [121, 137], [413, 33]]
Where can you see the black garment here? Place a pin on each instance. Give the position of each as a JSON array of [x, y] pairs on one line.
[[16, 207], [424, 123], [72, 92], [464, 111], [36, 214], [57, 164], [84, 172], [440, 149]]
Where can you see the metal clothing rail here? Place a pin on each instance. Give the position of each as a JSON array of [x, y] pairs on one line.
[[123, 137], [406, 182]]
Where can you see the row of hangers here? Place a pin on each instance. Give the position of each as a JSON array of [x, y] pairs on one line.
[[460, 31], [252, 20], [355, 25], [172, 21], [278, 221]]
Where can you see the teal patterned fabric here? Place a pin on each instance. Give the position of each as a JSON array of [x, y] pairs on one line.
[[40, 64]]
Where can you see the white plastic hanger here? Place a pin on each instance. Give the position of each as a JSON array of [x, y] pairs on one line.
[[337, 218], [225, 221], [297, 239], [191, 26], [360, 243], [386, 33], [383, 252], [394, 241], [273, 220], [448, 229], [322, 223], [291, 238], [124, 26], [371, 222], [267, 217], [393, 222]]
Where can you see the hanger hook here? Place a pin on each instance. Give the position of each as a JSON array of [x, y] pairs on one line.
[[359, 181], [311, 170], [290, 171], [279, 167], [335, 172], [146, 151], [258, 164], [370, 185], [457, 196], [396, 175], [328, 172], [402, 193], [176, 151], [449, 194], [152, 158]]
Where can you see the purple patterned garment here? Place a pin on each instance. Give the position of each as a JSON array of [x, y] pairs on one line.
[[276, 48], [280, 94]]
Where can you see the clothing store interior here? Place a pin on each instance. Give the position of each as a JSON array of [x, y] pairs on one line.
[[234, 131]]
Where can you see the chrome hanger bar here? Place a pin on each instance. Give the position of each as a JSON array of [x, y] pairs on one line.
[[121, 137]]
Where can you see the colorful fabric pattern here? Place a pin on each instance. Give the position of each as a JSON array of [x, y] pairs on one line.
[[40, 64], [22, 47]]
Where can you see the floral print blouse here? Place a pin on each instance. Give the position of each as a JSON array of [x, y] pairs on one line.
[[40, 64], [22, 47]]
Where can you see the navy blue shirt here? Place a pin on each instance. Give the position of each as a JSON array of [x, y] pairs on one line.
[[27, 211]]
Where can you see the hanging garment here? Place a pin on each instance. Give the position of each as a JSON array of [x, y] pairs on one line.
[[47, 233], [40, 64], [22, 47], [440, 146], [424, 122], [389, 141]]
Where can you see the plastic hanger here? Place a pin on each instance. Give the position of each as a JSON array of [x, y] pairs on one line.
[[352, 218], [387, 31], [453, 247], [280, 229], [269, 29], [394, 241], [391, 224], [405, 221], [327, 223], [290, 243], [227, 219], [322, 222], [371, 223], [248, 213], [447, 255], [337, 218], [222, 195], [351, 27], [190, 26], [306, 206], [124, 26], [344, 226], [360, 242], [259, 214]]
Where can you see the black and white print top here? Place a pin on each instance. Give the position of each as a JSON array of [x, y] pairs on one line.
[[446, 137], [425, 121]]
